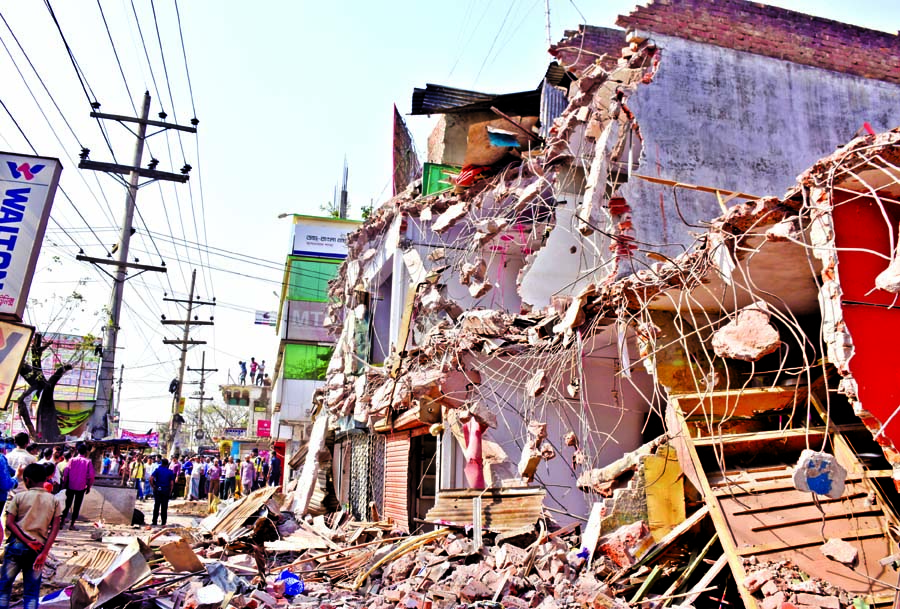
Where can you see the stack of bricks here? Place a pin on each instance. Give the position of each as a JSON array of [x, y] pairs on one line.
[[773, 32]]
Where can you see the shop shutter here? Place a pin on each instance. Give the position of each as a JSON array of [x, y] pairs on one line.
[[396, 475]]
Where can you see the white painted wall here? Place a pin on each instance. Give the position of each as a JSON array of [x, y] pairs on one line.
[[567, 262], [742, 122]]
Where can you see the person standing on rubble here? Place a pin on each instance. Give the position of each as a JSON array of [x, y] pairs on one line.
[[19, 458], [32, 517], [274, 470], [213, 473], [248, 475], [196, 475], [163, 483], [77, 480], [187, 468], [230, 478], [137, 474]]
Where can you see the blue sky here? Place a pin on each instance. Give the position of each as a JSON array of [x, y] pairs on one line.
[[284, 90]]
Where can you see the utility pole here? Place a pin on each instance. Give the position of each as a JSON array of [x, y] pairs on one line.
[[183, 344], [100, 417], [198, 435]]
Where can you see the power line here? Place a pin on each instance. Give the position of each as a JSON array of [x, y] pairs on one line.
[[116, 53], [34, 150]]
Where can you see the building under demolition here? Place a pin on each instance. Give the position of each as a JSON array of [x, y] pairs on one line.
[[654, 296]]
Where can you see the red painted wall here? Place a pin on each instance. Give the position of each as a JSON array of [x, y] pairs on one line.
[[875, 331]]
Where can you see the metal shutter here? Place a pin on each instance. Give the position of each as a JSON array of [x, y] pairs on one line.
[[396, 474]]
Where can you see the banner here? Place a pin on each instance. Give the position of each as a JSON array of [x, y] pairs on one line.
[[80, 383], [151, 439], [266, 318], [263, 428], [72, 415], [14, 341], [27, 186]]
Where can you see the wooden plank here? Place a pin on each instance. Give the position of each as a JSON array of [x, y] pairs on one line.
[[686, 574], [740, 404], [180, 555], [592, 531], [792, 506], [765, 548], [649, 581], [674, 534], [718, 517], [704, 582], [762, 436], [771, 486]]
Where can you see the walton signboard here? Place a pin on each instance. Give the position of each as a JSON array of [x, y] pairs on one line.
[[27, 186]]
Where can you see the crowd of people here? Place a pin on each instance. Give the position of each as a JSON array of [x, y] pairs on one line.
[[258, 375], [203, 477], [32, 481]]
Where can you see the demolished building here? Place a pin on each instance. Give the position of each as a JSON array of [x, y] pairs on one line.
[[548, 323]]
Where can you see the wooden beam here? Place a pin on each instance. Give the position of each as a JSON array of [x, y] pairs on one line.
[[717, 515], [765, 548]]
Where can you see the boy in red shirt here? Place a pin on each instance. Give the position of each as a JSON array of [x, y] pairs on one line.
[[32, 518]]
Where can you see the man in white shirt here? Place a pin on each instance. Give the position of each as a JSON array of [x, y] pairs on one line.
[[18, 458]]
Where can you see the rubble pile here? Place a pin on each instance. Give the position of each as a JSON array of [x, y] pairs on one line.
[[252, 555], [780, 584]]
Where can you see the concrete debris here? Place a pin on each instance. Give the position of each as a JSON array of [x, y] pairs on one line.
[[749, 337], [841, 551], [781, 584], [820, 473]]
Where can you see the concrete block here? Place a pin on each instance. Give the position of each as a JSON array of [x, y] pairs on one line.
[[820, 473], [841, 551]]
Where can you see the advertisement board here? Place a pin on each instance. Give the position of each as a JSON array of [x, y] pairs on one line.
[[27, 186], [234, 432], [263, 428], [265, 318], [81, 353], [14, 341], [321, 237], [305, 321]]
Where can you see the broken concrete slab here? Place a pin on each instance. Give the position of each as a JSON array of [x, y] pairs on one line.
[[841, 551], [749, 336]]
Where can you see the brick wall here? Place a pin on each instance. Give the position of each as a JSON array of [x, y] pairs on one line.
[[582, 47], [773, 32]]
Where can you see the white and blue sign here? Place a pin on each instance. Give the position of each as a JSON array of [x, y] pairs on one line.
[[27, 186]]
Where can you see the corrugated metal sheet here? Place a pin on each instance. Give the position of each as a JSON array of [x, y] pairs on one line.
[[502, 509], [396, 479], [553, 102], [436, 99]]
